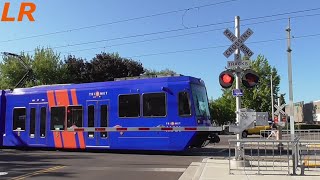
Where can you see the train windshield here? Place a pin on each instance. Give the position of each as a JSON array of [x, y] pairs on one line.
[[200, 100]]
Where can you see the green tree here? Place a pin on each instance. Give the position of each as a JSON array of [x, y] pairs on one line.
[[257, 98], [76, 70], [11, 70], [152, 72], [107, 66], [47, 67], [222, 110]]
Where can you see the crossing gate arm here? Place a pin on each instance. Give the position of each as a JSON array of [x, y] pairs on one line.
[[134, 129]]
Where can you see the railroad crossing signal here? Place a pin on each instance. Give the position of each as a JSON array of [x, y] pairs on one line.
[[279, 109], [226, 79], [238, 43], [250, 78]]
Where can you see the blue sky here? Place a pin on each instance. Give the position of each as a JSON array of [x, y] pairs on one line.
[[205, 23]]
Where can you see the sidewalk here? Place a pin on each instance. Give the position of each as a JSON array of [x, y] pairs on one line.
[[217, 169]]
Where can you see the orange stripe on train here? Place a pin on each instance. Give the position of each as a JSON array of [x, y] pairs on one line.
[[57, 139], [74, 97], [69, 140], [62, 97], [81, 140], [50, 96]]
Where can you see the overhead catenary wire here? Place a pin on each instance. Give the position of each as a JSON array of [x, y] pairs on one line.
[[118, 21], [221, 46], [176, 30], [180, 35], [159, 14]]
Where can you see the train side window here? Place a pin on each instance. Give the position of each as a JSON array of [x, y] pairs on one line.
[[104, 119], [184, 104], [32, 122], [74, 116], [154, 104], [43, 120], [129, 105], [19, 118], [90, 120], [58, 115]]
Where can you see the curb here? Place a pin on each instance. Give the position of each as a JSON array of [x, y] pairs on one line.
[[194, 171]]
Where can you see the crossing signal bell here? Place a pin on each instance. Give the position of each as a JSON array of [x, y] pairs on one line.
[[226, 79], [250, 78]]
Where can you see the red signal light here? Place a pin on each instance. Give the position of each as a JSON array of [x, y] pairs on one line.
[[226, 79], [250, 78]]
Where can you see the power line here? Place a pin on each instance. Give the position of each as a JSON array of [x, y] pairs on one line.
[[220, 46], [282, 14], [119, 21], [159, 14], [182, 29], [181, 35]]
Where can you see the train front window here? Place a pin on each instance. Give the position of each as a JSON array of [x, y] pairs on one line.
[[200, 100]]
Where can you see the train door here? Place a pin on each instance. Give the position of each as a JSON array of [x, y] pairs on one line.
[[98, 116], [37, 124]]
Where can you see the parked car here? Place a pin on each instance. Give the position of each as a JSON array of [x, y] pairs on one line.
[[256, 130]]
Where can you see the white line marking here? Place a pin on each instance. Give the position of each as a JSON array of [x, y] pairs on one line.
[[137, 169]]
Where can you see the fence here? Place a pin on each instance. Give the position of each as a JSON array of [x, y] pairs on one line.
[[307, 134], [275, 157]]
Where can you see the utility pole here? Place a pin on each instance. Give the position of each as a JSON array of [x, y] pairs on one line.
[[290, 82], [272, 108], [237, 55]]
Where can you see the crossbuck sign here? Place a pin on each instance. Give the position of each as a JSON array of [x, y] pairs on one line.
[[279, 109], [238, 43]]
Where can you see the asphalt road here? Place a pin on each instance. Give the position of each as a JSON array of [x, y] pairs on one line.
[[47, 165], [91, 165]]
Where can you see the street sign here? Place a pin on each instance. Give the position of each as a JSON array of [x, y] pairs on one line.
[[237, 92], [235, 64], [279, 109], [238, 43]]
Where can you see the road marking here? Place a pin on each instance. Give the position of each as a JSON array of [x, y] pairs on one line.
[[137, 169], [37, 172]]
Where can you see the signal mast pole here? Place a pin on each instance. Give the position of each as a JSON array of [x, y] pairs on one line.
[[290, 82], [237, 57]]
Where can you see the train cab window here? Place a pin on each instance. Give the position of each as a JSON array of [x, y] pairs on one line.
[[74, 116], [32, 122], [154, 105], [19, 118], [91, 120], [104, 119], [184, 104], [58, 115], [129, 105], [43, 120]]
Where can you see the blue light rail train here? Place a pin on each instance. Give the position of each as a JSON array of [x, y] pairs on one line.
[[38, 117]]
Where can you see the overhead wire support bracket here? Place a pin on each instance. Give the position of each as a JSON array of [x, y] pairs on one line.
[[29, 72]]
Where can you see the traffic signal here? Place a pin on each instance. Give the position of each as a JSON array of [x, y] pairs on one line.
[[250, 78], [226, 79]]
